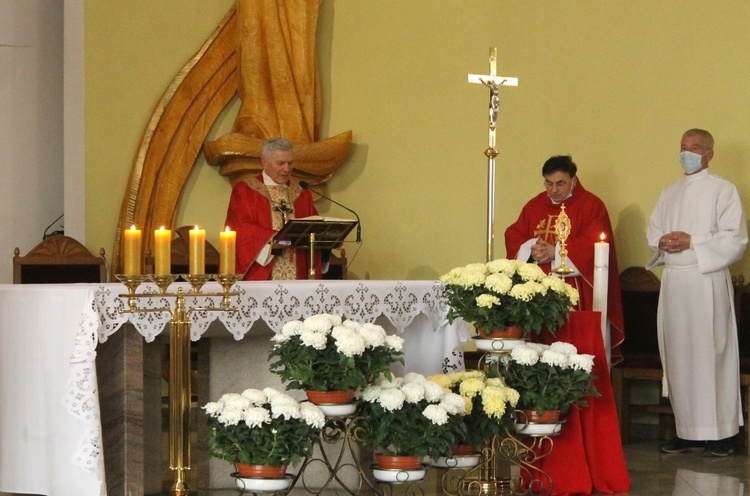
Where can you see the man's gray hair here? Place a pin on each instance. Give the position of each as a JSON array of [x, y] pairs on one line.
[[708, 140], [273, 145]]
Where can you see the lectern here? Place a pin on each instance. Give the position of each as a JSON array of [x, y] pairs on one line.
[[313, 233]]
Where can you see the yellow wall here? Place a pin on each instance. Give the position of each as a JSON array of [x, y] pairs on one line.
[[612, 83]]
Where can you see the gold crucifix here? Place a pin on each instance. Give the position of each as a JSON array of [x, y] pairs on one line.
[[493, 82]]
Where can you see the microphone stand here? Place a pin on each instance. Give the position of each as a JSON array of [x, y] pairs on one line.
[[306, 185]]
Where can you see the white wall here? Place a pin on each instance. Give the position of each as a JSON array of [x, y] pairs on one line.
[[31, 124]]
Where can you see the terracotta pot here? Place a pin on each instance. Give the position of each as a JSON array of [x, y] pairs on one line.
[[510, 332], [462, 450], [546, 417], [261, 471], [398, 462], [330, 397]]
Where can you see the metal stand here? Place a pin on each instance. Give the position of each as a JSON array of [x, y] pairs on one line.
[[179, 355]]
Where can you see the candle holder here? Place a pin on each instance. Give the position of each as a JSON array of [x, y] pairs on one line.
[[227, 281], [197, 280], [179, 355], [163, 281], [131, 282], [562, 231]]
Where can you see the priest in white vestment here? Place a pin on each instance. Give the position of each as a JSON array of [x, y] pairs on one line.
[[696, 231]]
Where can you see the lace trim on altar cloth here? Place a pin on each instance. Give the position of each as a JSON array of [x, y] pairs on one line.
[[273, 302]]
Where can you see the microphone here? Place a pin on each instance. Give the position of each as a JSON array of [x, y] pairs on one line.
[[306, 185]]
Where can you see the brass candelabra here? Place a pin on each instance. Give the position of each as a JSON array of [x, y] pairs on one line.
[[179, 353]]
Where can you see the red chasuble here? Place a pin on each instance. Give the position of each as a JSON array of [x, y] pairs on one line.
[[249, 214], [588, 220]]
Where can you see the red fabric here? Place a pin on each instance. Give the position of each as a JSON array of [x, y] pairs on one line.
[[588, 220], [587, 455], [249, 213]]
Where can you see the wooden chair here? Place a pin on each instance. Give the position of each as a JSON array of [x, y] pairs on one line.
[[59, 259], [640, 350]]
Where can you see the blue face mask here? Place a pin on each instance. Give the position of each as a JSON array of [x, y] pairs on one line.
[[690, 161]]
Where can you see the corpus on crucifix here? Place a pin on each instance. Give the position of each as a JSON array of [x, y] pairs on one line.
[[493, 82]]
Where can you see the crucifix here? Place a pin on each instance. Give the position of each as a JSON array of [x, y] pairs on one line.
[[493, 82]]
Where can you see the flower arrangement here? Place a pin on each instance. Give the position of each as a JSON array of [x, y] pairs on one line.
[[324, 353], [265, 427], [487, 399], [411, 416], [504, 293], [549, 377]]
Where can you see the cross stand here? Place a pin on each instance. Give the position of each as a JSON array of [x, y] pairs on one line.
[[493, 82]]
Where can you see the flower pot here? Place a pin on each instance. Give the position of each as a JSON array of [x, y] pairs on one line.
[[510, 332], [463, 449], [532, 417], [330, 397], [261, 471], [389, 462], [333, 403], [531, 423], [463, 456], [398, 468]]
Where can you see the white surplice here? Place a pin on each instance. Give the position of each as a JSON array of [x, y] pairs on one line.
[[696, 326]]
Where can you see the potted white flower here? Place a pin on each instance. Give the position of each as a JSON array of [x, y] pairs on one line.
[[262, 432]]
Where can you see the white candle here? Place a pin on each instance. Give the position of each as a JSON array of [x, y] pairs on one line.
[[601, 285], [227, 250], [197, 238]]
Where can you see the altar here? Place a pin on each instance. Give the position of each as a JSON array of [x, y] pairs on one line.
[[52, 336]]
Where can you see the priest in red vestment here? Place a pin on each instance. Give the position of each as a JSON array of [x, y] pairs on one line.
[[259, 207], [532, 238]]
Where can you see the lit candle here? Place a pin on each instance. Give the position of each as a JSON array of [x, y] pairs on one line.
[[197, 251], [132, 250], [227, 250], [162, 252], [601, 284]]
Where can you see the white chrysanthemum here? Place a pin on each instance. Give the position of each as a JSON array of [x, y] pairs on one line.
[[256, 396], [370, 393], [433, 392], [256, 416], [393, 342], [414, 377], [321, 322], [572, 294], [391, 399], [502, 265], [285, 407], [452, 277], [231, 416], [524, 355], [436, 413], [487, 300], [453, 403], [555, 284], [280, 339], [495, 381], [551, 357], [582, 362], [271, 393], [235, 401], [538, 347], [413, 392], [564, 348], [350, 343], [531, 272], [373, 334], [314, 339], [351, 324], [312, 415], [499, 283], [292, 328], [213, 408], [386, 383]]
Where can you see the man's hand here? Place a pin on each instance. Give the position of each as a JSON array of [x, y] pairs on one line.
[[542, 252], [674, 242]]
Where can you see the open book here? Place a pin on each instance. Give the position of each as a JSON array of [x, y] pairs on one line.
[[329, 232]]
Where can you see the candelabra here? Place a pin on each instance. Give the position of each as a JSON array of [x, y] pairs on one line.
[[179, 353]]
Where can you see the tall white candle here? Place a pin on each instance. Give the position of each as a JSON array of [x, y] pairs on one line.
[[601, 284]]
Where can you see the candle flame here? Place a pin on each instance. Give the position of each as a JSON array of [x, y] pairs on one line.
[[226, 229], [602, 237], [132, 228], [195, 228], [161, 228]]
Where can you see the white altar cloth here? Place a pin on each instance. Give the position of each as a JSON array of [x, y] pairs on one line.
[[39, 380]]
